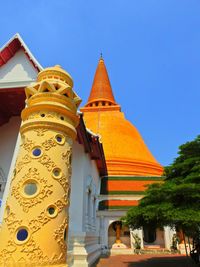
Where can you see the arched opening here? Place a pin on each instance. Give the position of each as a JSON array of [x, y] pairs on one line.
[[118, 235], [149, 234], [153, 237]]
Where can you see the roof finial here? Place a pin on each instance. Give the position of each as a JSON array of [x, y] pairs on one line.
[[101, 55]]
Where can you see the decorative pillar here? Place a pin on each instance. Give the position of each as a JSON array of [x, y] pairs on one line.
[[140, 233], [181, 236], [118, 233], [168, 237], [89, 210], [94, 214], [35, 221], [93, 226], [101, 230], [86, 211]]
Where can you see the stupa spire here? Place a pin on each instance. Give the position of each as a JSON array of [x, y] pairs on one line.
[[101, 93]]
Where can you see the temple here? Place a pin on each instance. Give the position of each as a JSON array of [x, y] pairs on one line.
[[110, 169]]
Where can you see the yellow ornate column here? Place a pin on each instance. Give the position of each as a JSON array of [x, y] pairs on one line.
[[34, 229]]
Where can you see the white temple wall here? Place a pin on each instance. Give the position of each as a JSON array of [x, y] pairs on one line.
[[76, 197], [85, 177], [83, 240], [91, 191]]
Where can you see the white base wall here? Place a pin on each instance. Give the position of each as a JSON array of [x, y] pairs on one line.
[[84, 249]]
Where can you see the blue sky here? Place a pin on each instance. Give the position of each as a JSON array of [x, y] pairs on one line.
[[151, 49]]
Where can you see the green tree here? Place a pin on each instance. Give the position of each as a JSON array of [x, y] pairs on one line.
[[176, 202]]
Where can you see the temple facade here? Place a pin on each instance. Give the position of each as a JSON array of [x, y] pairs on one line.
[[111, 164]]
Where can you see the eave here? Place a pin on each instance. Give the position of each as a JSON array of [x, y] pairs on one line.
[[12, 101], [92, 146]]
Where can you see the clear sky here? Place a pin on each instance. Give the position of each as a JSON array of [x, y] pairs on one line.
[[151, 49]]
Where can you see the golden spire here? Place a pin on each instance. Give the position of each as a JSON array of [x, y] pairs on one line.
[[101, 92]]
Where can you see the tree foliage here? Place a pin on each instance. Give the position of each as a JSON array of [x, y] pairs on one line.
[[176, 202]]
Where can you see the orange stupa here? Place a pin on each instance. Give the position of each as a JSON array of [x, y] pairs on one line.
[[125, 151]]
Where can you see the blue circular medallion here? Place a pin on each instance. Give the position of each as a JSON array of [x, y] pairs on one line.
[[36, 152], [22, 234]]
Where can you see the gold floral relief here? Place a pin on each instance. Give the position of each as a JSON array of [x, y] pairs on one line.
[[59, 235], [46, 161], [28, 144], [63, 181], [12, 222], [49, 143], [40, 131], [25, 160], [44, 191]]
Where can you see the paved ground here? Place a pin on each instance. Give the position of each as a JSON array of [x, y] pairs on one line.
[[145, 261]]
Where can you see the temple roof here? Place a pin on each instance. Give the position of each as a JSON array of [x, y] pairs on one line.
[[18, 68], [12, 47]]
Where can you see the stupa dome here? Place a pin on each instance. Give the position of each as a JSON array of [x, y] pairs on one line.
[[124, 148]]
